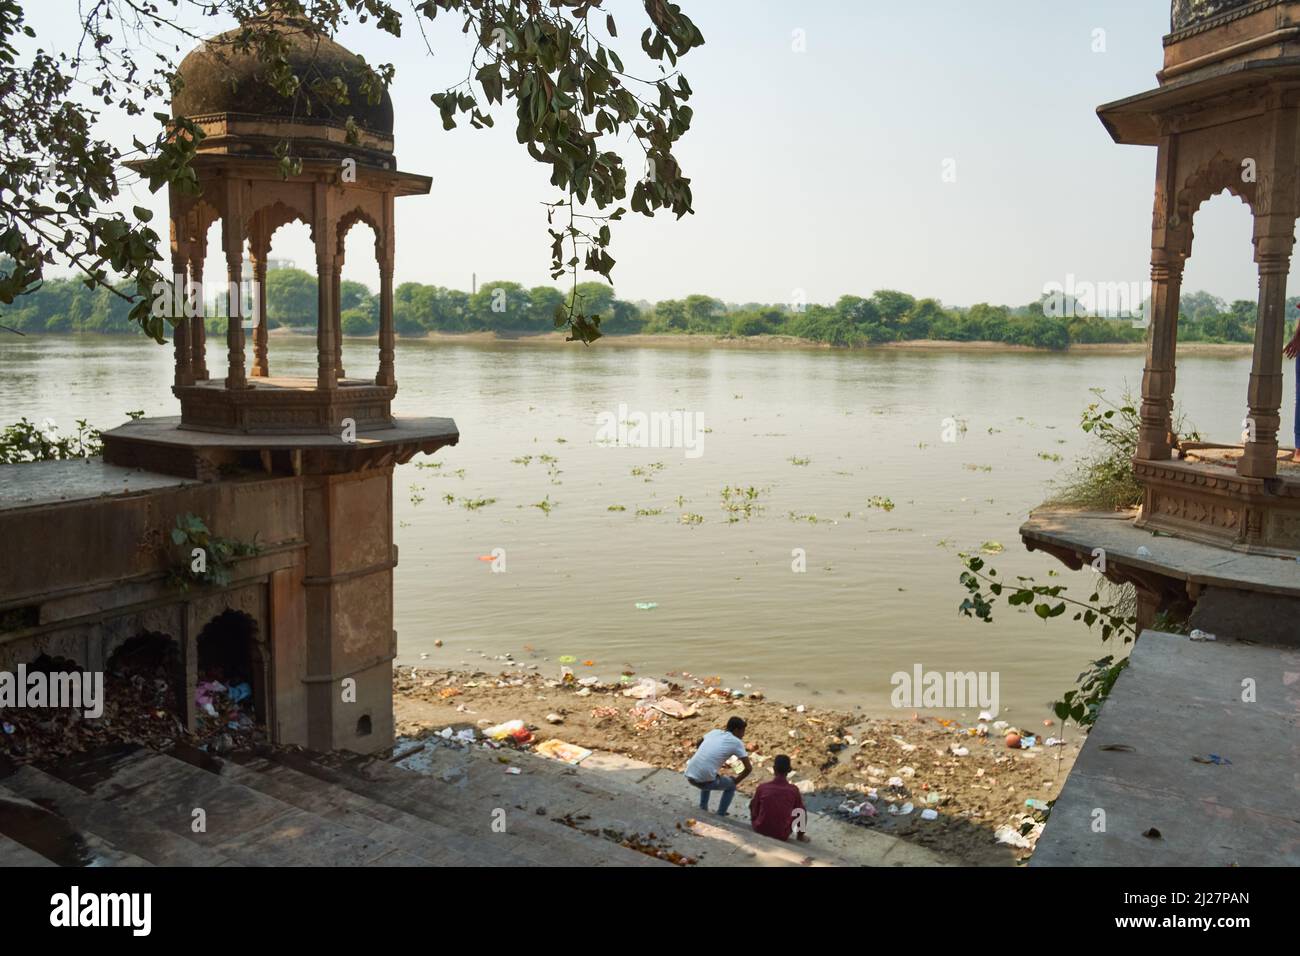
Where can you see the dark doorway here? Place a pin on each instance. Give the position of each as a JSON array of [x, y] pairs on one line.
[[231, 656]]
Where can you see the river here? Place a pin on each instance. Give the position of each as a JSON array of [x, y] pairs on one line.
[[828, 440]]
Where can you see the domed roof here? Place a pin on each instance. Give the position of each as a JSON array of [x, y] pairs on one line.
[[225, 75], [1186, 13]]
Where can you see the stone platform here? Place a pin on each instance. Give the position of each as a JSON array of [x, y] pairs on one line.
[[1201, 497], [162, 445], [1180, 699], [285, 406]]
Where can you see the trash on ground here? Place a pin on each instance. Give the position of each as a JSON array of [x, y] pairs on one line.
[[514, 729], [1199, 635], [1011, 837], [1213, 759], [674, 708], [565, 753]]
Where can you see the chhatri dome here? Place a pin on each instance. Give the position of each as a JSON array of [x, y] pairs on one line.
[[226, 77], [345, 175], [1189, 13]]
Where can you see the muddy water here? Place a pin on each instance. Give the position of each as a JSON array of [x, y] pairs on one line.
[[845, 454]]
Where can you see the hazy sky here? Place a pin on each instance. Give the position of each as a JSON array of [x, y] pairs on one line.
[[820, 171]]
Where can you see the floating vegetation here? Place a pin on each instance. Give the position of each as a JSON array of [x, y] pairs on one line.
[[648, 471], [881, 502], [449, 498], [680, 500], [691, 518], [740, 503], [922, 445], [1049, 456], [416, 497], [552, 468], [799, 462], [545, 505], [978, 467], [796, 516], [428, 464], [561, 441], [473, 504], [648, 512], [524, 460], [991, 547], [616, 508]]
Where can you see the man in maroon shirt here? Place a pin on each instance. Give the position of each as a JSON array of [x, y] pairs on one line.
[[776, 809]]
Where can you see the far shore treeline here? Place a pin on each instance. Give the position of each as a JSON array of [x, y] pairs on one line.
[[65, 305]]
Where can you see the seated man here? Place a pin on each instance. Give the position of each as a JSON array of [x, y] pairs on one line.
[[777, 807], [702, 770]]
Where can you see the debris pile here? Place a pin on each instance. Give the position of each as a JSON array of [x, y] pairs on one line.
[[139, 706]]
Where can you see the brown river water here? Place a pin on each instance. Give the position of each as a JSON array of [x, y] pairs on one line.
[[828, 441]]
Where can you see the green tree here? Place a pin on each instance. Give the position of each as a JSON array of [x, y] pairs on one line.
[[357, 295], [572, 99], [359, 322], [291, 297], [544, 301]]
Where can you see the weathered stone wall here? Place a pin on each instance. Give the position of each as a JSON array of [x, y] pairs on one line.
[[79, 578]]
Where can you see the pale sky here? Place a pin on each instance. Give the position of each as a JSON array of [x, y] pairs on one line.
[[820, 171]]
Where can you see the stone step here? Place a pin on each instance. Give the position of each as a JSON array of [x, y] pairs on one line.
[[242, 824], [471, 808], [631, 795], [594, 802], [13, 853], [46, 833], [109, 822], [431, 844]]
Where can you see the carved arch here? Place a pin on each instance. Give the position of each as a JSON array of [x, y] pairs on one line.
[[1220, 174], [349, 220]]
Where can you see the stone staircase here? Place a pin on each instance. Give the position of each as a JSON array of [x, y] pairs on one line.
[[431, 804]]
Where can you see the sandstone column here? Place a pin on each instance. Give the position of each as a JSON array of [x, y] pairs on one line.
[[1170, 242], [198, 331], [386, 375], [261, 364], [325, 256], [232, 236], [181, 328], [1275, 215], [338, 318]]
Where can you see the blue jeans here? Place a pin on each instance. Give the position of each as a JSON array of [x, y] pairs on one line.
[[721, 782]]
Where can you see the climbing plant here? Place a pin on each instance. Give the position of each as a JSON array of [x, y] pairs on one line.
[[205, 557]]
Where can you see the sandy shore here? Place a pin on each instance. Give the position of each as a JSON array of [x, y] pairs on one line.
[[777, 342], [840, 755]]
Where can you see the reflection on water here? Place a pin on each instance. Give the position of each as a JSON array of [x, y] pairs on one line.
[[827, 441]]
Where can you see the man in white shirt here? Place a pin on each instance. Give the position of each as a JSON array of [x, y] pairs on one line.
[[702, 770]]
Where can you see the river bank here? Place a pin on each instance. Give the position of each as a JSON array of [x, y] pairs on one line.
[[786, 342], [975, 784]]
